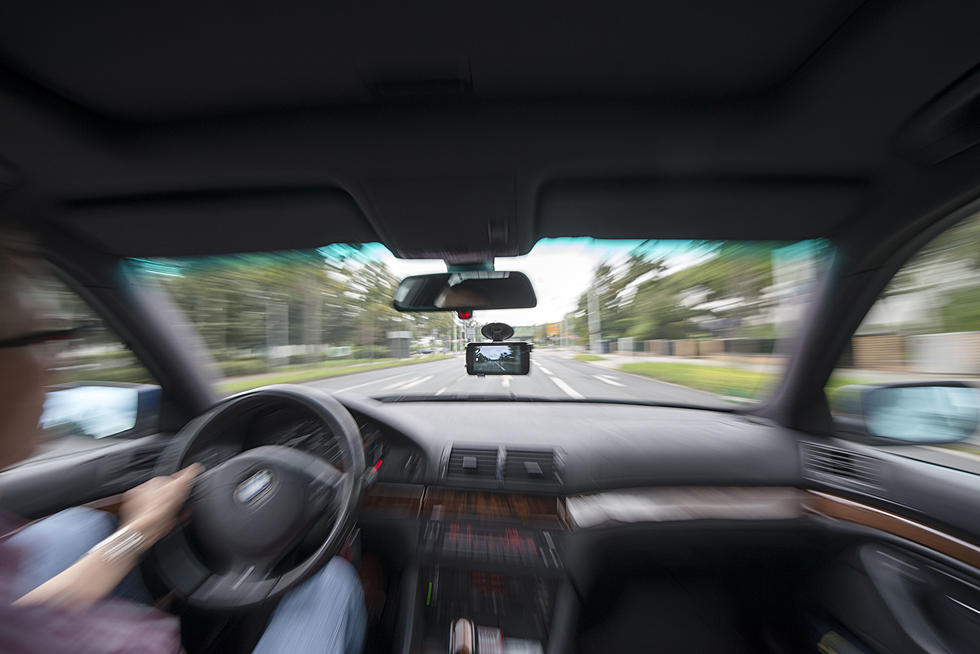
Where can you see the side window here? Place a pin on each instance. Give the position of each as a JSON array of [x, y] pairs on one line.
[[923, 333], [97, 392]]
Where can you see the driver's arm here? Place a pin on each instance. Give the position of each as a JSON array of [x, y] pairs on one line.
[[147, 514]]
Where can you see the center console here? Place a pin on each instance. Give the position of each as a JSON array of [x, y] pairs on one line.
[[493, 559]]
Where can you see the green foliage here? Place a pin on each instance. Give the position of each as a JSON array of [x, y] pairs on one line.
[[300, 359], [950, 261], [247, 303], [961, 310], [371, 352], [112, 366], [135, 374], [721, 380], [957, 250], [735, 382], [717, 296], [761, 332], [243, 366], [318, 372]]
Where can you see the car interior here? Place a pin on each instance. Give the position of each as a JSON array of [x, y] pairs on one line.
[[466, 134]]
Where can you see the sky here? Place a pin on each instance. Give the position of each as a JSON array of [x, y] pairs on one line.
[[559, 270]]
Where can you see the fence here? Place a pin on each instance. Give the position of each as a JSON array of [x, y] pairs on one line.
[[955, 353]]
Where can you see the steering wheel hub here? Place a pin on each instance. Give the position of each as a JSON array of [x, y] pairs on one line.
[[249, 506], [249, 512]]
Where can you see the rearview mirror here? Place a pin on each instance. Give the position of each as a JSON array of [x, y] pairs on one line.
[[459, 291], [919, 413]]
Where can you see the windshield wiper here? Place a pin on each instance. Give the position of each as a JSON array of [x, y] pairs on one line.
[[499, 397]]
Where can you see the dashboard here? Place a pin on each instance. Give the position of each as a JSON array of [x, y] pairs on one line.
[[596, 446], [389, 456], [599, 446]]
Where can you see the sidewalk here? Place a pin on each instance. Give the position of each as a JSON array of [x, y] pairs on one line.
[[614, 361]]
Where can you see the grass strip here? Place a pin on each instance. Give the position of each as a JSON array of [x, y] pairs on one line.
[[721, 380]]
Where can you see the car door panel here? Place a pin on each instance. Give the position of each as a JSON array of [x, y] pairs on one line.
[[937, 497], [898, 601], [34, 490], [894, 599]]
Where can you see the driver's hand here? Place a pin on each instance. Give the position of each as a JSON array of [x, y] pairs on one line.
[[152, 508]]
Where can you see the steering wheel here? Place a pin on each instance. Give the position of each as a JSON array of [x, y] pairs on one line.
[[250, 511]]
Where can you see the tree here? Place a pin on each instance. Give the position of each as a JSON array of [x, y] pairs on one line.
[[717, 295]]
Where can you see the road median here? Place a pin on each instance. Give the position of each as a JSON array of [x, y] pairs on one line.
[[314, 373]]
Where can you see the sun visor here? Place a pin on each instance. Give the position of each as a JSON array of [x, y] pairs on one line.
[[457, 219], [194, 224], [756, 209]]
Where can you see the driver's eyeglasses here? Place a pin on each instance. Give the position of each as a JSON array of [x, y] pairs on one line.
[[43, 337]]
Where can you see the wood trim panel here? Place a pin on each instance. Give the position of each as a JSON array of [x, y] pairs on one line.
[[394, 499], [110, 504], [452, 504], [838, 508], [642, 505]]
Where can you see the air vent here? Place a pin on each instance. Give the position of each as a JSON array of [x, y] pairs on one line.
[[531, 466], [143, 460], [472, 463], [823, 461], [128, 467]]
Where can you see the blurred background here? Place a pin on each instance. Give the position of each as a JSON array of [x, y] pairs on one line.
[[702, 323], [712, 316]]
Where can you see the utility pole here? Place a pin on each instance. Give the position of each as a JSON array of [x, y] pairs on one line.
[[595, 326]]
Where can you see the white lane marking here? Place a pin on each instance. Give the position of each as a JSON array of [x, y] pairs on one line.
[[505, 381], [608, 380], [415, 382], [569, 391], [399, 383], [376, 381], [545, 370], [441, 391]]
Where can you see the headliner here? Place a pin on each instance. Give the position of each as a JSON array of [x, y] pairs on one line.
[[468, 132]]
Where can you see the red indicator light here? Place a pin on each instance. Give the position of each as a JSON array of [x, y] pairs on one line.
[[376, 466], [464, 315]]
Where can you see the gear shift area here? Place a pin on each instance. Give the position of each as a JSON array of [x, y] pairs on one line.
[[467, 638]]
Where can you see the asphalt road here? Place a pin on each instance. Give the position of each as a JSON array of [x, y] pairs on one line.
[[553, 375], [558, 375]]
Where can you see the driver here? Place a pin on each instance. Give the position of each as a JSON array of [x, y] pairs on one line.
[[70, 582]]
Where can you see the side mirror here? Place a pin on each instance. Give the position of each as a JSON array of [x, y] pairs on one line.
[[460, 291], [919, 413], [101, 410]]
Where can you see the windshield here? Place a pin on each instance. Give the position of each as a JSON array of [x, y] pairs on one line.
[[684, 322]]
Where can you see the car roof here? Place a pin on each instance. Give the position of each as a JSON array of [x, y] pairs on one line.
[[468, 132]]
